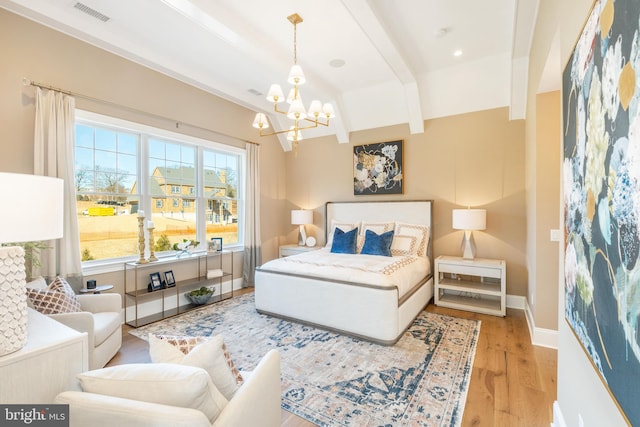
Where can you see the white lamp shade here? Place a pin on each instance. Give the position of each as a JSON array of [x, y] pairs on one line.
[[296, 110], [296, 76], [260, 122], [469, 219], [292, 135], [33, 208], [301, 216], [315, 109], [275, 93], [328, 110]]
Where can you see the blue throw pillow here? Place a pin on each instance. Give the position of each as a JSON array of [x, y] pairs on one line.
[[377, 244], [344, 242]]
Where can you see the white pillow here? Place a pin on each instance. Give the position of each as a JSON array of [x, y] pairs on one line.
[[209, 354], [419, 231], [377, 227], [164, 383], [404, 245]]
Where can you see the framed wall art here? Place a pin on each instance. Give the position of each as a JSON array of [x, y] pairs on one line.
[[377, 168], [601, 174]]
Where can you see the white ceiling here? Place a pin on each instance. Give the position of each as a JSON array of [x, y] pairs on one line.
[[399, 66]]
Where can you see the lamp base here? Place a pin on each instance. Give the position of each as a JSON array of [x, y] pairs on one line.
[[13, 300], [468, 246], [302, 236]]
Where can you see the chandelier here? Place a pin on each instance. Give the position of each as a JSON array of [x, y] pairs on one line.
[[317, 114]]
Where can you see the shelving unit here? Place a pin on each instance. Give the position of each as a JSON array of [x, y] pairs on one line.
[[143, 307], [478, 285]]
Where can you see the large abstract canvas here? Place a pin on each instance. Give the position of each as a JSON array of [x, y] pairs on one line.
[[377, 168], [601, 172]]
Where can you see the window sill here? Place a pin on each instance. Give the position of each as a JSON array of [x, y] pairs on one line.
[[113, 265]]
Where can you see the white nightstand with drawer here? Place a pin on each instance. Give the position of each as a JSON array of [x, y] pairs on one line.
[[478, 284], [288, 250]]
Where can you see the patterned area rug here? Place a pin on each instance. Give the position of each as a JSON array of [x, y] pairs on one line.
[[334, 380]]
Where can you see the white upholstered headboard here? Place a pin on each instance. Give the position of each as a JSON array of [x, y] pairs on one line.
[[413, 211]]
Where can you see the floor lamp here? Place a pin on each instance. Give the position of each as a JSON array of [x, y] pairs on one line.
[[32, 211], [469, 220]]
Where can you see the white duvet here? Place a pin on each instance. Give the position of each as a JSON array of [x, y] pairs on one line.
[[403, 272]]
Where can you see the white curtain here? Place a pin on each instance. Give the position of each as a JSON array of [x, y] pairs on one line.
[[54, 156], [252, 243]]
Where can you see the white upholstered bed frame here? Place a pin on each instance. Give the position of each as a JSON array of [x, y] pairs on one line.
[[375, 314]]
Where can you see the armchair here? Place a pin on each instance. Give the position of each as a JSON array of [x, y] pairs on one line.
[[255, 403], [101, 319]]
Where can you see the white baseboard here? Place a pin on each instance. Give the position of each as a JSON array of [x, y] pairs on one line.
[[558, 419], [539, 336]]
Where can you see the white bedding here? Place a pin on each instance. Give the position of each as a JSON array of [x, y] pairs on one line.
[[403, 272]]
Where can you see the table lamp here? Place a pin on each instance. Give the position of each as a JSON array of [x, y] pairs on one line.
[[32, 211], [469, 220], [301, 217]]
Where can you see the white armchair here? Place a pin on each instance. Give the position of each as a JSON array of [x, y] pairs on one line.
[[255, 403], [101, 319]]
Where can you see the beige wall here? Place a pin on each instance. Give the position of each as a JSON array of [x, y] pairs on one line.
[[472, 159], [40, 54], [547, 204]]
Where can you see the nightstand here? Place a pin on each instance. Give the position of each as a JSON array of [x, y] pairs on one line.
[[477, 284], [288, 250]]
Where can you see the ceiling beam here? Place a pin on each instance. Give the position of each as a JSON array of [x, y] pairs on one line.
[[366, 17]]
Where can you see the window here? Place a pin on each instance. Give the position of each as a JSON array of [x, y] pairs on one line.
[[187, 186]]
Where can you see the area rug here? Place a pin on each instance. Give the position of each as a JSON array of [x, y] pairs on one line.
[[335, 380]]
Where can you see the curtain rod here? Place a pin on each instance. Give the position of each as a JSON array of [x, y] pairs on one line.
[[28, 82]]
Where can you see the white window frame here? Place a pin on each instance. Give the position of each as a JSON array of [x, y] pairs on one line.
[[94, 119]]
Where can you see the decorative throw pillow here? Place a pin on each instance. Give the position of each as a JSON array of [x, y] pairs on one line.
[[342, 225], [164, 383], [57, 298], [403, 245], [419, 231], [344, 242], [377, 244], [210, 354]]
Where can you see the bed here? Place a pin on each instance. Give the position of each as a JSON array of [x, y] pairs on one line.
[[346, 293]]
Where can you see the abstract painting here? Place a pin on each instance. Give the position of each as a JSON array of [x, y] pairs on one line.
[[377, 168], [601, 173]]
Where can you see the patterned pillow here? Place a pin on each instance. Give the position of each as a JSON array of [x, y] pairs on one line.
[[377, 227], [209, 353], [57, 298], [404, 245], [419, 231]]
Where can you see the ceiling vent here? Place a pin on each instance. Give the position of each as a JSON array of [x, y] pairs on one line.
[[91, 12]]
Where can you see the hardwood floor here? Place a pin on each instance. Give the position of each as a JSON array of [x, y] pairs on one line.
[[513, 383]]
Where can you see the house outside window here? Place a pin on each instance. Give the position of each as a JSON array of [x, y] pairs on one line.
[[188, 188]]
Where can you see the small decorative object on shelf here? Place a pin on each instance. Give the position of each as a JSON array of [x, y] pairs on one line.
[[152, 254], [200, 296], [156, 282], [170, 280], [183, 247], [141, 237], [214, 245]]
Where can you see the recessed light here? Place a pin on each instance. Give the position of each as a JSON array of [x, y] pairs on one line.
[[337, 63], [457, 53]]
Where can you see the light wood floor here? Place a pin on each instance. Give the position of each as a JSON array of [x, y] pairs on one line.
[[513, 383]]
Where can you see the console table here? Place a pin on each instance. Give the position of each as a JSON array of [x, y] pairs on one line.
[[46, 365]]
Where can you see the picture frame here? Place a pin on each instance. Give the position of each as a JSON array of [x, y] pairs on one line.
[[377, 168], [156, 281], [214, 245], [169, 279], [599, 104]]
